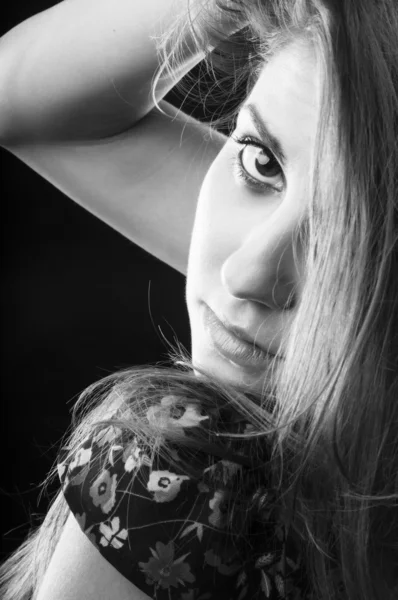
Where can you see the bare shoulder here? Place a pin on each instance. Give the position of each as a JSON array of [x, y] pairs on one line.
[[144, 182], [77, 570]]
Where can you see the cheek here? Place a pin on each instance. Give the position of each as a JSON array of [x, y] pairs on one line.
[[211, 236]]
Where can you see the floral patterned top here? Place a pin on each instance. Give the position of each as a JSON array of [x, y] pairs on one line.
[[166, 529]]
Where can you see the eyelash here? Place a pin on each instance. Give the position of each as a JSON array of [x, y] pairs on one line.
[[241, 172]]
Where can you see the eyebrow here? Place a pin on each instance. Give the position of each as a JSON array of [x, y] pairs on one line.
[[267, 137]]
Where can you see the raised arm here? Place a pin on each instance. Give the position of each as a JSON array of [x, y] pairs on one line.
[[83, 69], [76, 107], [144, 182]]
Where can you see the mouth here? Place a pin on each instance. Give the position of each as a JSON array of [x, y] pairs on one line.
[[235, 349]]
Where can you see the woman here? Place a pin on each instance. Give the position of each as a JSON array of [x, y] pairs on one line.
[[264, 468]]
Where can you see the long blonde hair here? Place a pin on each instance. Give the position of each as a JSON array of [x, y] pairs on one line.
[[331, 415]]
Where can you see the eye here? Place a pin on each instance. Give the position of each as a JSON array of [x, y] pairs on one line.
[[257, 166]]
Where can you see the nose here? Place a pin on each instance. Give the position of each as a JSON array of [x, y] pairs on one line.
[[266, 266]]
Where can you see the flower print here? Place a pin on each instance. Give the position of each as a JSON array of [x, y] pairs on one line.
[[280, 585], [270, 571], [226, 567], [103, 491], [191, 417], [81, 519], [264, 560], [165, 485], [82, 457], [203, 488], [280, 531], [162, 570], [79, 478], [134, 457], [112, 535], [157, 416], [107, 435], [172, 413], [217, 518], [249, 428], [132, 462], [174, 406], [242, 579], [266, 585], [243, 593], [62, 473], [223, 471], [194, 526], [174, 455], [115, 449]]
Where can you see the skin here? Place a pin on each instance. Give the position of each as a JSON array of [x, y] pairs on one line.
[[241, 264], [241, 261]]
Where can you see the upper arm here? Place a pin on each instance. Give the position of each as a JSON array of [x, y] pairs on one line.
[[82, 69], [77, 570], [144, 182]]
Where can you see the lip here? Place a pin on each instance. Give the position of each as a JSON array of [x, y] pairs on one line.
[[236, 349]]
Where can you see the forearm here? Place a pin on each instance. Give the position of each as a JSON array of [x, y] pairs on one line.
[[83, 69]]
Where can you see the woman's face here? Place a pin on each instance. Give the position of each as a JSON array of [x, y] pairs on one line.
[[241, 265]]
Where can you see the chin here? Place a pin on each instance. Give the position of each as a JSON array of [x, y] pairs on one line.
[[213, 364]]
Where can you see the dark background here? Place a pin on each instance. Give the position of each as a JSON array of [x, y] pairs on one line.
[[79, 301]]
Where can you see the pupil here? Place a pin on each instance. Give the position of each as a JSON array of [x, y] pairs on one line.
[[267, 166]]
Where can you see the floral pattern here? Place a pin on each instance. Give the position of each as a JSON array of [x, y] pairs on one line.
[[165, 485], [167, 531], [162, 569], [112, 534], [103, 491], [217, 517]]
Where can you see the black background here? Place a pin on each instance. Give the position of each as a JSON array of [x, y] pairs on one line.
[[79, 301]]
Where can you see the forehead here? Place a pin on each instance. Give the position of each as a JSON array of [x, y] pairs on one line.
[[286, 95]]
